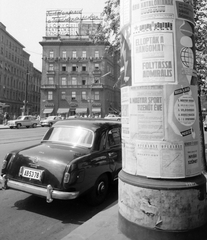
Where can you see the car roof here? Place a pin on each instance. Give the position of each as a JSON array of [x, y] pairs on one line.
[[90, 123]]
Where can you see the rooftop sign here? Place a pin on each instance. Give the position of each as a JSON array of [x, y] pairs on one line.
[[71, 23]]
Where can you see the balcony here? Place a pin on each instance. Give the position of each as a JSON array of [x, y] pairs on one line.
[[50, 72], [97, 72], [48, 86], [97, 86]]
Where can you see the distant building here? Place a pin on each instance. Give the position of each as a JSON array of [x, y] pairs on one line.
[[78, 76], [19, 80]]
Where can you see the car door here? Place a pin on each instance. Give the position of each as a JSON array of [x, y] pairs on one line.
[[113, 146], [26, 121]]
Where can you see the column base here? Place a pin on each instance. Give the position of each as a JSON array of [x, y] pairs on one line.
[[162, 209], [136, 232]]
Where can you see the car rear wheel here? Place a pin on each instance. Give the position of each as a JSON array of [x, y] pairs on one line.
[[11, 127], [50, 124], [99, 191], [18, 125], [27, 126], [34, 125]]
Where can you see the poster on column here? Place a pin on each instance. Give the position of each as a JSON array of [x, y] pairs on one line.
[[125, 39], [192, 158], [183, 113], [125, 97], [153, 58], [146, 112], [172, 160], [185, 43], [148, 158], [129, 160], [145, 9]]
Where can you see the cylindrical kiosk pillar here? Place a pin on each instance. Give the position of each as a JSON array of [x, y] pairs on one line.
[[162, 191]]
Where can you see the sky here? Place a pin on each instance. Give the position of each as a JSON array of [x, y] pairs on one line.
[[25, 20]]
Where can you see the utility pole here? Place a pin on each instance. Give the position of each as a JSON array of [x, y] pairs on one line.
[[162, 189], [26, 94]]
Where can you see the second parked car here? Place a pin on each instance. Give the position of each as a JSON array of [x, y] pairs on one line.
[[49, 121]]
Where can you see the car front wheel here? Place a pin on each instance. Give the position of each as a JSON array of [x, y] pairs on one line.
[[18, 125], [99, 191]]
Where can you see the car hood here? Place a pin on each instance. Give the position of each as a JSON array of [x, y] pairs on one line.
[[48, 157]]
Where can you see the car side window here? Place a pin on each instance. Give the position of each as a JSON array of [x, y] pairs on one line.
[[102, 145], [113, 137]]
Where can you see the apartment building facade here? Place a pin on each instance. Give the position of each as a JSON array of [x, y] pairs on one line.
[[19, 80], [78, 78]]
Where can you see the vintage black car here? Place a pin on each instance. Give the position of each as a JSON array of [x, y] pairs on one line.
[[75, 157]]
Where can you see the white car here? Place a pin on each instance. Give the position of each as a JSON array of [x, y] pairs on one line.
[[113, 116], [23, 121], [49, 121]]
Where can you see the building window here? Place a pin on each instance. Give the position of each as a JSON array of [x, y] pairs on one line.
[[83, 82], [84, 54], [50, 95], [96, 66], [64, 54], [74, 54], [84, 67], [73, 96], [63, 95], [51, 54], [96, 96], [74, 68], [51, 67], [64, 67], [50, 80], [74, 81], [96, 54], [83, 95], [63, 81]]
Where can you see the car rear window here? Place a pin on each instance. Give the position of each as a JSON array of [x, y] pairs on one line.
[[71, 135]]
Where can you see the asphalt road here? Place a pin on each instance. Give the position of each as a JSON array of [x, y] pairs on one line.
[[24, 216]]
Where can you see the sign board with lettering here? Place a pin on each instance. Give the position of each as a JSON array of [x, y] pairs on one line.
[[71, 23]]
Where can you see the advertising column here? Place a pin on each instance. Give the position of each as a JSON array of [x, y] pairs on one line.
[[161, 185]]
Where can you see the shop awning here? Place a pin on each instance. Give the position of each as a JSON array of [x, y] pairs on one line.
[[81, 110], [96, 110], [62, 110], [48, 110]]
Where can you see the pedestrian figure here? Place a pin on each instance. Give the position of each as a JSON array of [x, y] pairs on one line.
[[6, 118]]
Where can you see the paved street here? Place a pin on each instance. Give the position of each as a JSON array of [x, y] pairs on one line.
[[23, 216]]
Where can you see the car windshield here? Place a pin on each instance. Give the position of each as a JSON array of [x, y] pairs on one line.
[[71, 135], [20, 117], [50, 118]]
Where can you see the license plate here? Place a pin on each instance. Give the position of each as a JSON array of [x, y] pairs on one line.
[[32, 173]]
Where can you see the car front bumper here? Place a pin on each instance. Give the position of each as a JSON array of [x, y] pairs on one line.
[[45, 124], [47, 192]]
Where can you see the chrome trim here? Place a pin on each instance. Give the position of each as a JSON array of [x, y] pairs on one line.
[[48, 192], [4, 182]]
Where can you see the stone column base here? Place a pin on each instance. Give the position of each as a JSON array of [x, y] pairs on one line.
[[162, 209]]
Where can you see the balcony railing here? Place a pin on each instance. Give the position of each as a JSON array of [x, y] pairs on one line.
[[48, 86]]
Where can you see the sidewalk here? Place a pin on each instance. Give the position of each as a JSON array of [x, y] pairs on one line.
[[3, 126], [103, 226]]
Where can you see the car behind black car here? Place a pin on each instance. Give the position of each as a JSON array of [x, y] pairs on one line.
[[75, 157]]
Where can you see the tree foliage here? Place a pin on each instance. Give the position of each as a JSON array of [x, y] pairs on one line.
[[200, 16], [108, 31]]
